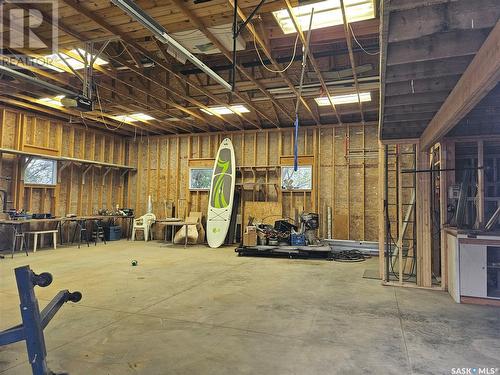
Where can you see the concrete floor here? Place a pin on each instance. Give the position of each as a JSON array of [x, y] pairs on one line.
[[202, 311]]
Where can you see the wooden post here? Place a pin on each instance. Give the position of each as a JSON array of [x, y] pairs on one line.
[[424, 229], [480, 182], [381, 209]]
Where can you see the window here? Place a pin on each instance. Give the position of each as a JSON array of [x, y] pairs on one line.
[[326, 13], [199, 178], [40, 172], [299, 180]]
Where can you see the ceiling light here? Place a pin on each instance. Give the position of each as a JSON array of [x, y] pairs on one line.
[[230, 110], [54, 61], [56, 100], [134, 117], [344, 99], [326, 13]]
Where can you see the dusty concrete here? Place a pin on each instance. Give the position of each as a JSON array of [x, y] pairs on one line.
[[203, 311]]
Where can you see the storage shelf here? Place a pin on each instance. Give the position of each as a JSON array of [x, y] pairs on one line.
[[68, 159]]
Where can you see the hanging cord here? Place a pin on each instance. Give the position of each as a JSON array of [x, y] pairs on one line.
[[83, 120], [305, 50], [359, 44], [289, 64], [102, 114]]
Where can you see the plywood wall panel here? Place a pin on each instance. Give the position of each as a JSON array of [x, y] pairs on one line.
[[348, 185]]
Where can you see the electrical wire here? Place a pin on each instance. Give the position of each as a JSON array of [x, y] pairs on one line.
[[121, 53], [102, 114], [272, 70], [359, 44], [349, 256]]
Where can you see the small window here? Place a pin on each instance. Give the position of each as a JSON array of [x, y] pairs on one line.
[[199, 178], [40, 172], [296, 180]]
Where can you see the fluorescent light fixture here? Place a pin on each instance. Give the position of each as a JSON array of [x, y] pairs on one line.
[[53, 61], [132, 9], [344, 99], [56, 100], [326, 13], [230, 110], [134, 117]]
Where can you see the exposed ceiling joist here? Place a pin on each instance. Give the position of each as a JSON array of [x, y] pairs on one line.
[[481, 76]]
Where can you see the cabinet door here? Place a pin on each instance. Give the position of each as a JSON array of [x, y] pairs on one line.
[[473, 270]]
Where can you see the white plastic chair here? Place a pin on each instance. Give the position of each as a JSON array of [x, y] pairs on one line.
[[144, 223]]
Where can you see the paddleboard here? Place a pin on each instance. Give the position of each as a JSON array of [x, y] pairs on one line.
[[220, 204]]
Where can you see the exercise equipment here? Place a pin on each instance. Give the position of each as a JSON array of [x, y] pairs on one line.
[[34, 321]]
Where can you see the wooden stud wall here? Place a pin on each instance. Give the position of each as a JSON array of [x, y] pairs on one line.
[[344, 161], [79, 190]]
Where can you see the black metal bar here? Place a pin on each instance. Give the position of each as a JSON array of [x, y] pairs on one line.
[[386, 216], [233, 63], [249, 18]]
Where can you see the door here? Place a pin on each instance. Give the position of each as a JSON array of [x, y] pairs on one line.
[[473, 270]]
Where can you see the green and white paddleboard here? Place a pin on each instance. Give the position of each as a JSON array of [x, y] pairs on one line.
[[220, 204]]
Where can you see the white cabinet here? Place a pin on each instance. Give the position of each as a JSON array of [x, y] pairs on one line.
[[473, 270]]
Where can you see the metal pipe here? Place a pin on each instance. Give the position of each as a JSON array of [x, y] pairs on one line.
[[329, 218], [249, 18], [16, 74], [235, 35], [161, 34], [386, 216]]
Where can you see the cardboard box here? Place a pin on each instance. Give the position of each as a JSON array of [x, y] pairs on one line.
[[250, 236]]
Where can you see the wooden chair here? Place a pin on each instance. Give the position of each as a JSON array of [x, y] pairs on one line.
[[144, 224], [196, 234]]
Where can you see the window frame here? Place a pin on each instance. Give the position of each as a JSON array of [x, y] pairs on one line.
[[309, 189], [191, 169], [28, 160]]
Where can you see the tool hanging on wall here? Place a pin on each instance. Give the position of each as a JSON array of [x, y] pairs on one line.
[[299, 95]]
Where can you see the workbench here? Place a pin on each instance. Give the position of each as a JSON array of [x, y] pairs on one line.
[[21, 226]]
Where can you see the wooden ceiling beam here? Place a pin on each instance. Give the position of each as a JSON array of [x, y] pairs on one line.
[[420, 86], [348, 38], [427, 69], [34, 103], [103, 85], [164, 86], [408, 117], [416, 99], [78, 57], [443, 17], [274, 63], [325, 35], [481, 76], [313, 61], [444, 45], [113, 30], [412, 108], [202, 27]]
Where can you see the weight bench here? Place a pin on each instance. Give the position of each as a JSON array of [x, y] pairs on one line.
[[34, 321], [41, 232]]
